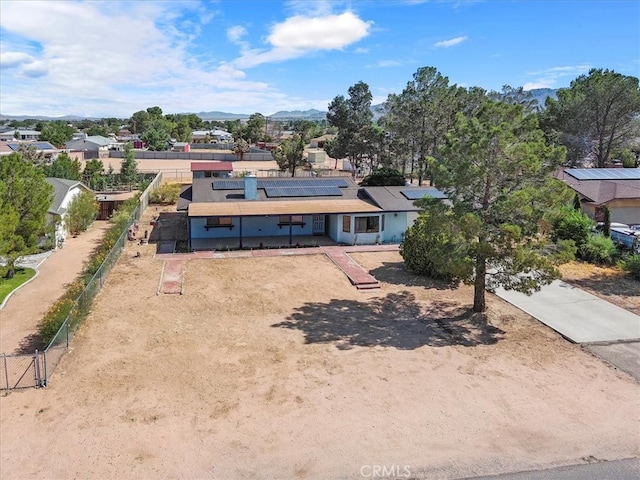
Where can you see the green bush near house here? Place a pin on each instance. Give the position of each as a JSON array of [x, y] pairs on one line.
[[599, 250], [166, 194], [63, 307], [20, 277], [632, 265]]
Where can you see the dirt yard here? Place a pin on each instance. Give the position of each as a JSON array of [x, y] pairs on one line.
[[279, 368], [607, 283]]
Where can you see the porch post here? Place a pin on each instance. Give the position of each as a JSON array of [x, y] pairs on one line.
[[290, 230]]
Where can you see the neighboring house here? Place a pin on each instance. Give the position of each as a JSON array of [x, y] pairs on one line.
[[211, 136], [64, 193], [617, 188], [180, 147], [95, 143], [23, 135], [212, 169], [45, 148], [320, 141], [239, 212]]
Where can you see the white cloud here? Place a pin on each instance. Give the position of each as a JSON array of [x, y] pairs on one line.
[[14, 59], [361, 51], [451, 42], [328, 32], [388, 63], [298, 35], [235, 33], [548, 78]]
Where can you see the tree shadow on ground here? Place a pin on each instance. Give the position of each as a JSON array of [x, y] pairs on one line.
[[30, 344], [168, 226], [397, 274], [396, 320]]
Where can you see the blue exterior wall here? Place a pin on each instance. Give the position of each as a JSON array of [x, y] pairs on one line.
[[251, 227], [395, 225]]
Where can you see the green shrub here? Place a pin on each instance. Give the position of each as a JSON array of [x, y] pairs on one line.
[[599, 249], [166, 194], [632, 265], [60, 310], [563, 251], [572, 225]]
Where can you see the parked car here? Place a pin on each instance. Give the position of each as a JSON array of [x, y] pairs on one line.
[[626, 238]]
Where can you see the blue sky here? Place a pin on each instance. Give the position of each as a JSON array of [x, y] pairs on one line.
[[114, 58]]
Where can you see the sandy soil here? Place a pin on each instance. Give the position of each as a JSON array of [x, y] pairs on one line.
[[607, 283], [25, 309], [279, 368]]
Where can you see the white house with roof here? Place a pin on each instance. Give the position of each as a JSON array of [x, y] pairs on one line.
[[21, 135], [94, 143], [64, 193], [211, 136]]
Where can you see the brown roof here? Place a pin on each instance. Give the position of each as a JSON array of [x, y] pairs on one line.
[[602, 191], [285, 207], [211, 167]]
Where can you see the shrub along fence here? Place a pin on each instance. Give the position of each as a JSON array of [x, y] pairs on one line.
[[34, 370]]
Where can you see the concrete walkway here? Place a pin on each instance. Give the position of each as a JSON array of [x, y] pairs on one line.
[[576, 314]]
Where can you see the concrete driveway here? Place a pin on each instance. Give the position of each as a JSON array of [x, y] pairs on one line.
[[576, 314]]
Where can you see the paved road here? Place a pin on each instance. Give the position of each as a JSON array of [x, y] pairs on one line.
[[623, 355], [576, 314], [617, 470]]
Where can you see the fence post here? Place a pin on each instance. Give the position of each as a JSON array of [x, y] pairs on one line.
[[44, 367], [36, 368], [6, 372], [67, 322]]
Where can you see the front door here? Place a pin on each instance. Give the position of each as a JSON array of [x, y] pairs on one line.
[[318, 224]]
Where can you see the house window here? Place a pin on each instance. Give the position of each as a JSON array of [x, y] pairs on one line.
[[291, 220], [218, 222], [346, 223], [367, 224]]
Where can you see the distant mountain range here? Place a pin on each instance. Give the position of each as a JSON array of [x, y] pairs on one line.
[[540, 94]]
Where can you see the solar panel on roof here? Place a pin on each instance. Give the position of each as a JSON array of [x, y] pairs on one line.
[[415, 194], [278, 192], [228, 184], [604, 173]]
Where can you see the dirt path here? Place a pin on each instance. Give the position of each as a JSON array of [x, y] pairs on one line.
[[24, 310]]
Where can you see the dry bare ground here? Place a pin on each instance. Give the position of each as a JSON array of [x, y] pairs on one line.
[[279, 368], [607, 283]]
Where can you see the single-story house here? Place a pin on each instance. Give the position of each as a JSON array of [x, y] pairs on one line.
[[237, 213], [22, 135], [617, 188], [319, 142], [212, 169], [64, 193], [44, 148], [95, 143], [211, 136]]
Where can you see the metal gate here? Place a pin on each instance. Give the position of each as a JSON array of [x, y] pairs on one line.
[[21, 371]]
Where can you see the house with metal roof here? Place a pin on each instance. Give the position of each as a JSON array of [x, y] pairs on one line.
[[245, 212], [617, 188], [21, 135], [64, 193], [95, 143]]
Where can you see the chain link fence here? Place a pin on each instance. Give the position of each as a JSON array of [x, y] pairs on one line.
[[34, 370]]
